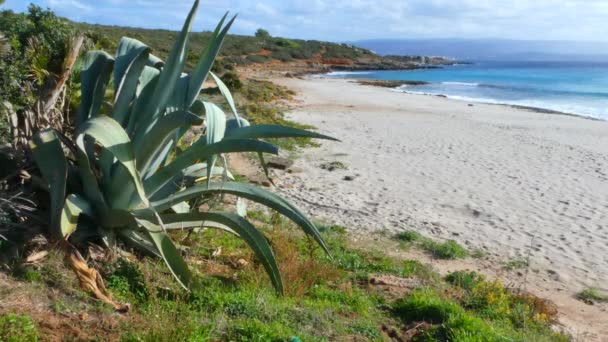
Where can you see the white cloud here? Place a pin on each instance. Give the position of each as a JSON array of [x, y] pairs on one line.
[[359, 19]]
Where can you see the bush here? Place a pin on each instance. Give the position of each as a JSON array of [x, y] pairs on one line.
[[282, 55], [445, 250], [232, 81], [425, 305], [408, 236], [464, 280], [257, 59]]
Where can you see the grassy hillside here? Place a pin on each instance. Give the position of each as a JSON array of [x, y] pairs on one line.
[[238, 49]]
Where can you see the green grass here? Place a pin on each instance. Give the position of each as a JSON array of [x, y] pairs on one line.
[[445, 250], [464, 280], [517, 263], [441, 250], [593, 295], [17, 328], [326, 299], [408, 236]]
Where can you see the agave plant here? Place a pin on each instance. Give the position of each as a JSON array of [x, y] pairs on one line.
[[122, 179]]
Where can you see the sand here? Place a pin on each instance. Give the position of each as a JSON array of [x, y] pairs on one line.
[[511, 182]]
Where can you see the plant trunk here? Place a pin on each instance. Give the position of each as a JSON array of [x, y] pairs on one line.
[[48, 100]]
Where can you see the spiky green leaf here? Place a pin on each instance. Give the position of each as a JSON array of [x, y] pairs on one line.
[[75, 205], [111, 136], [131, 58], [94, 80], [201, 151], [165, 248], [273, 131], [256, 240], [249, 192], [52, 163], [200, 72]]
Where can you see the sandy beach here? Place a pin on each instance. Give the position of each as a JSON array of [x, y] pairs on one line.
[[511, 182]]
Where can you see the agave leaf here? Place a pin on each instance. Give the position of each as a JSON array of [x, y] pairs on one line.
[[150, 145], [139, 241], [177, 100], [241, 207], [198, 108], [200, 150], [256, 240], [216, 126], [52, 163], [200, 72], [74, 206], [181, 208], [94, 80], [249, 192], [233, 123], [171, 71], [109, 134], [227, 95], [143, 94], [131, 58], [272, 131], [155, 62], [187, 177], [165, 248], [89, 181]]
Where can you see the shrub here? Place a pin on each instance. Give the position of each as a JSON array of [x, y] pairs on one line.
[[464, 280], [135, 185], [445, 250], [232, 81], [257, 59], [282, 55], [408, 236], [425, 305]]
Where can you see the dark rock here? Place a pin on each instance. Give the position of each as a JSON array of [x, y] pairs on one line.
[[348, 178], [279, 163]]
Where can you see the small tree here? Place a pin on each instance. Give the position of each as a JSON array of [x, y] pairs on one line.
[[260, 33]]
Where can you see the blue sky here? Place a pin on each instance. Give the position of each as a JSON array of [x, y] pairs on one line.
[[345, 20]]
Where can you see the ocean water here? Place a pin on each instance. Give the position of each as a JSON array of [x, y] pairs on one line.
[[571, 87]]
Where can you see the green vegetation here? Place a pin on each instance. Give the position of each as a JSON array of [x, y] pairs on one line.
[[17, 328], [517, 263], [119, 151], [237, 49], [445, 250], [263, 104], [36, 44], [324, 299], [442, 250], [592, 295]]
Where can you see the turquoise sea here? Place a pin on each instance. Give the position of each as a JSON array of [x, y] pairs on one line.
[[571, 87]]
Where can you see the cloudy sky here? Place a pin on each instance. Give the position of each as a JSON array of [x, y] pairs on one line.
[[346, 20]]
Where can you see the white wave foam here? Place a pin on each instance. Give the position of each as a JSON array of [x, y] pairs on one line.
[[575, 109], [467, 84], [346, 73]]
